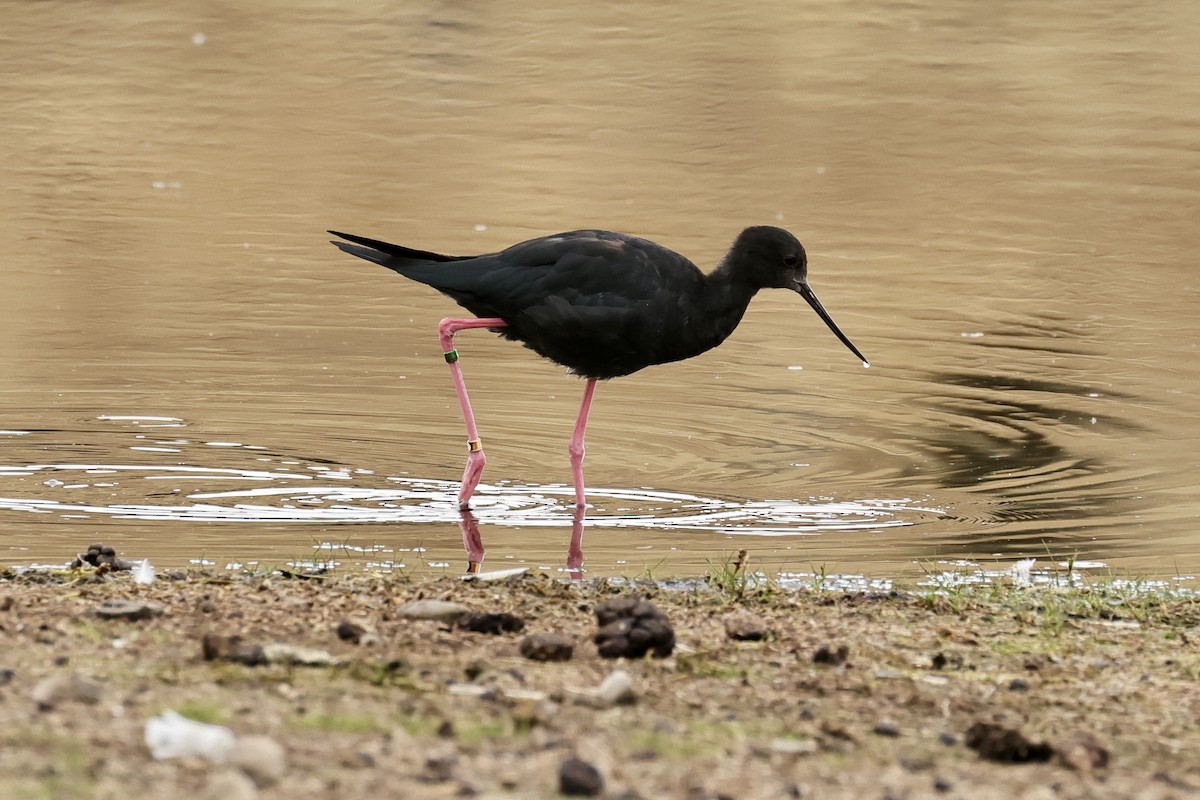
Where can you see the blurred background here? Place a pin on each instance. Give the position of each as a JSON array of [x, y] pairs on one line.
[[999, 202]]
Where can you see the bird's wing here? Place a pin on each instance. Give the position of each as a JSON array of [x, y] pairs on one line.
[[591, 267]]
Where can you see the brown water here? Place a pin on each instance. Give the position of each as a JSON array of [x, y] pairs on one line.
[[1000, 206]]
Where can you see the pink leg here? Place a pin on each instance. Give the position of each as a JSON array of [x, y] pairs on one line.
[[475, 457], [576, 447]]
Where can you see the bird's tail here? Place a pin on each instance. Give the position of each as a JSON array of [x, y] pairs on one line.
[[392, 256]]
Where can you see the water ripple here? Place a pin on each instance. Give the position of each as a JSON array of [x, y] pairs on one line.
[[72, 491]]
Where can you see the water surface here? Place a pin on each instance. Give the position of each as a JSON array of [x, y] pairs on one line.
[[999, 206]]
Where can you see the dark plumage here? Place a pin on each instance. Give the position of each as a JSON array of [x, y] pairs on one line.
[[602, 304], [605, 304]]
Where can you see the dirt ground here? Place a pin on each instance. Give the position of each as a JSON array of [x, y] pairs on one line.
[[983, 692]]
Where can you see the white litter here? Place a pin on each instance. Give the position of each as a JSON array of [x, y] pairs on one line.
[[172, 735]]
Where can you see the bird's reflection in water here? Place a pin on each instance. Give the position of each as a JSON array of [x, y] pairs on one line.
[[473, 543]]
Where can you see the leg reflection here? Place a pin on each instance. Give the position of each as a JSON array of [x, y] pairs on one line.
[[575, 549], [473, 543]]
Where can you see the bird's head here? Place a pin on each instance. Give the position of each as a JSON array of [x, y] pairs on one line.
[[771, 258]]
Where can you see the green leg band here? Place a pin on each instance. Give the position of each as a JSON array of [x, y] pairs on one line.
[[451, 356]]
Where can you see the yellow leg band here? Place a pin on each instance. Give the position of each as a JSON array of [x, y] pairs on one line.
[[474, 445]]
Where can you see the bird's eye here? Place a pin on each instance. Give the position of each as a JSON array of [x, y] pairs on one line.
[[791, 260]]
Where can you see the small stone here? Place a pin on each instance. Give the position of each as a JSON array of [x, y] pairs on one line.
[[494, 623], [260, 757], [831, 654], [616, 689], [947, 738], [578, 778], [132, 610], [229, 784], [941, 785], [222, 647], [1082, 753], [356, 632], [440, 764], [56, 689], [283, 653], [794, 747], [434, 610], [527, 714], [547, 647], [745, 628], [524, 695], [1018, 685], [947, 661], [838, 732], [357, 759], [886, 727]]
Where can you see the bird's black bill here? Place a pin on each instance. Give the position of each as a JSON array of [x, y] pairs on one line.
[[809, 295]]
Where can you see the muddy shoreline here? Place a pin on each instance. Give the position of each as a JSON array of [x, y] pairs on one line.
[[989, 691]]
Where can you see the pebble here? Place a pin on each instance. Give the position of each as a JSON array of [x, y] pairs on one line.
[[128, 609], [886, 727], [494, 623], [283, 653], [547, 647], [435, 610], [578, 778], [525, 695], [1082, 753], [260, 757], [440, 764], [57, 689], [356, 632], [616, 689], [229, 784], [833, 654], [220, 647], [745, 628], [794, 747]]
